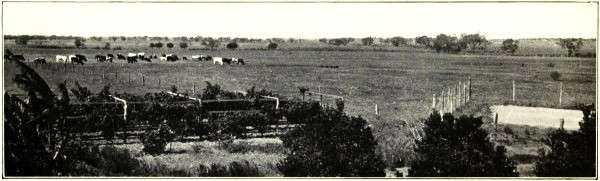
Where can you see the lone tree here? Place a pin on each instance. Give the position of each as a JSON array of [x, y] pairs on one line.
[[472, 42], [211, 43], [107, 46], [272, 46], [571, 154], [510, 45], [398, 40], [424, 40], [323, 40], [183, 45], [572, 45], [79, 43], [445, 43], [232, 45], [329, 144], [152, 45], [458, 147], [367, 41], [170, 45]]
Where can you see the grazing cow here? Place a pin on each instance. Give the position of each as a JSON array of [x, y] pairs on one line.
[[147, 59], [163, 58], [227, 60], [172, 58], [237, 61], [132, 59], [141, 55], [61, 59], [218, 60], [100, 58], [132, 55], [75, 59], [110, 55], [81, 57], [120, 56], [184, 58], [241, 61], [40, 60], [205, 58]]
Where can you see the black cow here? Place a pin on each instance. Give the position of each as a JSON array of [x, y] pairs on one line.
[[121, 56], [147, 59], [40, 60], [100, 58], [110, 55], [154, 57], [131, 59], [172, 58], [241, 61], [184, 58], [205, 58], [81, 57], [76, 60], [227, 60]]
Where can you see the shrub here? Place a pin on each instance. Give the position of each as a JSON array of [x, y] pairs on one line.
[[555, 75], [272, 46], [232, 45], [154, 141], [183, 45], [550, 65], [508, 130], [331, 144], [571, 154], [459, 147]]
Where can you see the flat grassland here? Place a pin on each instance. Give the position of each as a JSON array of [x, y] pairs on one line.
[[400, 82]]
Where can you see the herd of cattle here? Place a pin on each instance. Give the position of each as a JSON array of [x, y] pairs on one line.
[[130, 58]]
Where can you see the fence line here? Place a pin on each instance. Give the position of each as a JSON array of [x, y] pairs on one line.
[[452, 97]]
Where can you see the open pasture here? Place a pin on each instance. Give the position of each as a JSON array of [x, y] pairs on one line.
[[400, 83]]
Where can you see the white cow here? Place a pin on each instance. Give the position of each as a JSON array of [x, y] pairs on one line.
[[163, 58], [140, 54], [61, 59], [234, 60], [195, 57], [132, 55], [218, 60]]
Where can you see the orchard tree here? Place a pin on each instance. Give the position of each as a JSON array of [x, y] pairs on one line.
[[368, 41], [510, 45], [183, 45], [571, 154], [170, 45], [232, 45], [459, 147], [572, 45], [329, 144]]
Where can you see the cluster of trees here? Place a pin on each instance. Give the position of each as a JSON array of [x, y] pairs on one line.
[[337, 41]]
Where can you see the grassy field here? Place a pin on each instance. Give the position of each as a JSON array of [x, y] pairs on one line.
[[401, 83]]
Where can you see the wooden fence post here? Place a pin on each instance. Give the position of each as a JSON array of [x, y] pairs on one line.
[[562, 123], [116, 75], [560, 96], [143, 81], [513, 91], [193, 88], [103, 72], [129, 79], [158, 82], [433, 103], [496, 122], [450, 100], [443, 100], [469, 97]]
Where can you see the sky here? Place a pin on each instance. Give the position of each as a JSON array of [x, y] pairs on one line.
[[301, 20]]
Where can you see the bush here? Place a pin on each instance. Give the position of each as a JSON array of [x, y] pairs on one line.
[[550, 65], [331, 144], [571, 154], [459, 147], [508, 130], [555, 76], [183, 45], [154, 141], [232, 45], [272, 46]]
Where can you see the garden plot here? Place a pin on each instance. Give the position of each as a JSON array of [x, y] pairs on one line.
[[537, 116]]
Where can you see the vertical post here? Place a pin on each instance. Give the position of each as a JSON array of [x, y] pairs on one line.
[[129, 78], [116, 75], [376, 112], [496, 122], [465, 98], [65, 66], [159, 82], [143, 81], [560, 96], [443, 100], [450, 100], [513, 95], [469, 95], [459, 94], [562, 123], [193, 88], [103, 72], [433, 103]]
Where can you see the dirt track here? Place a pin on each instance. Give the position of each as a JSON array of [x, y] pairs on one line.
[[537, 116]]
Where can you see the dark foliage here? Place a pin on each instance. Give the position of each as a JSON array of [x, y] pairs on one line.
[[458, 147], [571, 154], [154, 141], [555, 75], [232, 45], [272, 46], [331, 144]]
